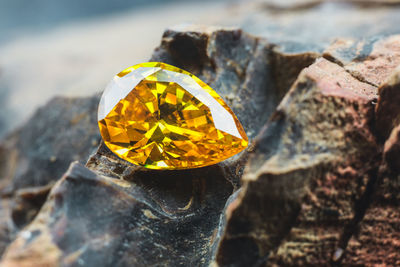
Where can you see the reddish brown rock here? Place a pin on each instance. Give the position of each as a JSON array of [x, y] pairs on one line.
[[371, 60], [309, 170], [388, 108], [377, 241], [392, 151]]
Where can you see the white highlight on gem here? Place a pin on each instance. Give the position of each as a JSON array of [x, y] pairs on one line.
[[120, 87]]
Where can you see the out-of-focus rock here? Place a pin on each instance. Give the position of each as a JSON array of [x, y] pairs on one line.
[[5, 235], [289, 5], [371, 60], [298, 5], [388, 108], [286, 66], [377, 240], [60, 132], [26, 204], [36, 155], [392, 151], [312, 25]]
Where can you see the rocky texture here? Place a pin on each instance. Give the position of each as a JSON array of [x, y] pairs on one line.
[[320, 179], [299, 193], [45, 146], [304, 197], [377, 240], [26, 204], [388, 108], [240, 67], [37, 154], [94, 220], [371, 60]]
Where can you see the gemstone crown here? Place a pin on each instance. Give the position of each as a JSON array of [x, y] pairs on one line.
[[162, 117]]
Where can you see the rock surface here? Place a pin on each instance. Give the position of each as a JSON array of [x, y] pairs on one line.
[[36, 155], [377, 240], [322, 170], [299, 193], [318, 185]]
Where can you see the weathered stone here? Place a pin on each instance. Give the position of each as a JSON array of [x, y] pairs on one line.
[[286, 66], [26, 204], [377, 240], [388, 107], [155, 219], [45, 146], [371, 60], [37, 154], [392, 151], [309, 169]]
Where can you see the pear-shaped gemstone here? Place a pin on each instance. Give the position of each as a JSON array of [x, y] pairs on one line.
[[162, 117]]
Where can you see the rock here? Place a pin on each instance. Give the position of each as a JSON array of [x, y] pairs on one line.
[[94, 220], [371, 60], [62, 131], [392, 151], [26, 204], [286, 66], [388, 107], [307, 174], [306, 4], [5, 234], [35, 156], [378, 231]]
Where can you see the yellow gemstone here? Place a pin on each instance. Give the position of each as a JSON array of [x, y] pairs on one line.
[[162, 117]]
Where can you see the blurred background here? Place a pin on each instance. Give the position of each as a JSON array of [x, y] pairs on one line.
[[74, 47]]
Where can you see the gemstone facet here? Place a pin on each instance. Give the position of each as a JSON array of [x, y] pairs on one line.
[[162, 117]]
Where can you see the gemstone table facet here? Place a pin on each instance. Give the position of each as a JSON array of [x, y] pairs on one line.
[[162, 117]]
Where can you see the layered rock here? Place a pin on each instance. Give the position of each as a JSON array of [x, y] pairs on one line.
[[377, 239], [314, 168]]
